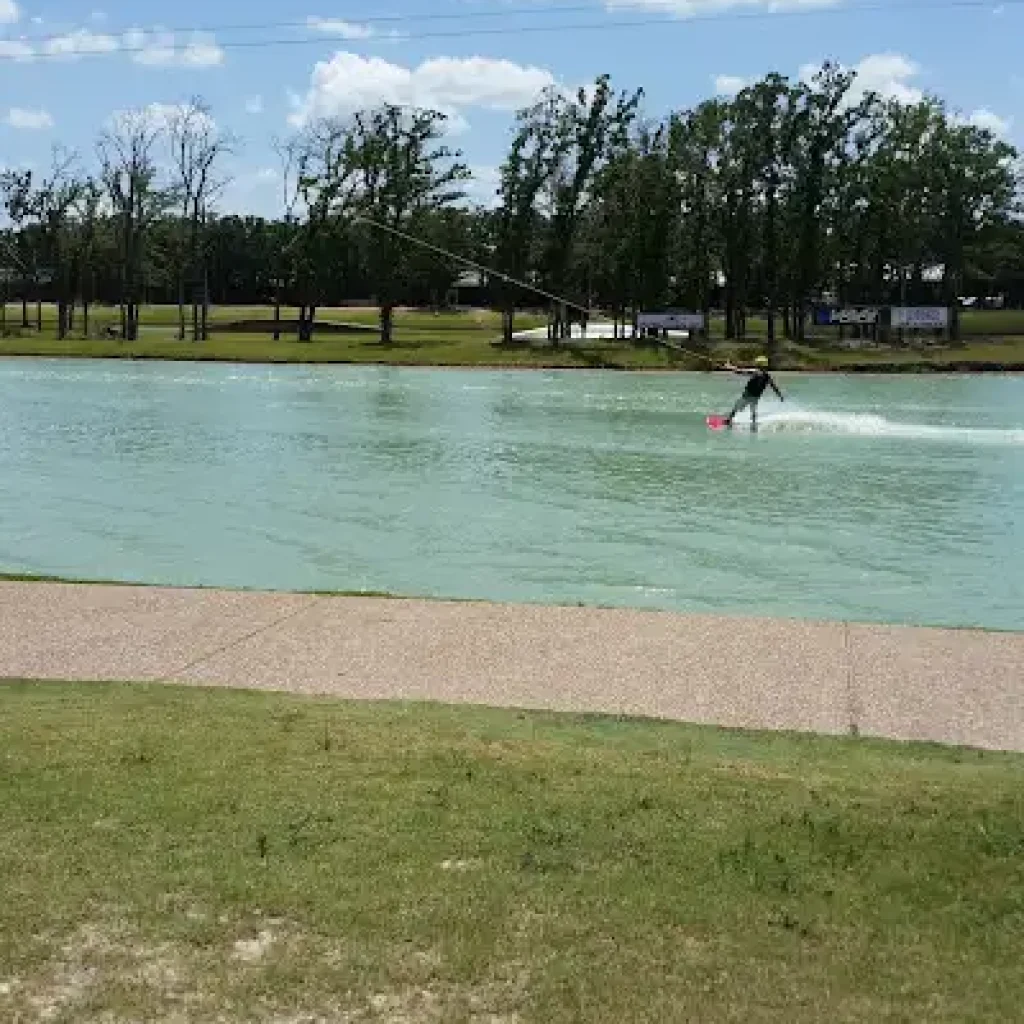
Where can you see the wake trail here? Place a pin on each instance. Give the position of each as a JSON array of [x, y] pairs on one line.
[[801, 420]]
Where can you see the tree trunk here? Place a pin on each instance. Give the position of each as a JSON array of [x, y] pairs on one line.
[[277, 316], [24, 310], [39, 313], [386, 323], [181, 306], [730, 309], [508, 315], [205, 326]]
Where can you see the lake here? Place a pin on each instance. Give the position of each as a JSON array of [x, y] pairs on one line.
[[896, 499]]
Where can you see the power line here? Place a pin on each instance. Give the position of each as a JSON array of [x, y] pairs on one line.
[[161, 41], [316, 24]]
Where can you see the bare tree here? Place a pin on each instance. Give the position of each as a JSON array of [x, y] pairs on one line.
[[130, 177], [290, 155], [84, 240], [197, 144], [58, 197]]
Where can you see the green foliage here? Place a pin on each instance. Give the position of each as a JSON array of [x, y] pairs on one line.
[[760, 204]]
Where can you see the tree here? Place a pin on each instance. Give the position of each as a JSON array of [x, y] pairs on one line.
[[823, 118], [630, 232], [20, 205], [85, 245], [525, 173], [327, 179], [589, 131], [695, 141], [130, 177], [976, 193], [767, 108], [197, 145], [50, 205], [389, 168]]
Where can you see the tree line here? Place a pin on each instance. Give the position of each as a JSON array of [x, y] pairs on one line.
[[787, 194]]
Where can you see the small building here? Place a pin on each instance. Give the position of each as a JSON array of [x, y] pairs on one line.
[[470, 289]]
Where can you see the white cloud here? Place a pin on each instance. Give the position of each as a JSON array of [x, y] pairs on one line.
[[336, 27], [730, 85], [349, 82], [16, 49], [163, 49], [9, 12], [254, 105], [483, 187], [79, 43], [706, 8], [992, 122], [33, 120], [253, 192], [890, 75]]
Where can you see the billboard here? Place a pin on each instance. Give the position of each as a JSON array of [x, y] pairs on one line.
[[930, 317], [826, 316], [673, 320]]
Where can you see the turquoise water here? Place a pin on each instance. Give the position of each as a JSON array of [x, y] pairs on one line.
[[875, 499]]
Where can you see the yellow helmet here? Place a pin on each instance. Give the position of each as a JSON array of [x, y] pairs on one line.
[[761, 361]]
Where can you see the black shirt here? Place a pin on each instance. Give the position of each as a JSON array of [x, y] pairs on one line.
[[758, 384]]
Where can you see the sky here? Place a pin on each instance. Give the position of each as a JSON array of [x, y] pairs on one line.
[[265, 66]]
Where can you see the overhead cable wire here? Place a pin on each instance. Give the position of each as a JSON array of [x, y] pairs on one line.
[[162, 38]]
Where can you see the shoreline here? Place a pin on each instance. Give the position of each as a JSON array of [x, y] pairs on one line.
[[956, 687], [929, 369], [7, 578]]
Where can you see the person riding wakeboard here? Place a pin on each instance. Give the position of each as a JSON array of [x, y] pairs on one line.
[[759, 382]]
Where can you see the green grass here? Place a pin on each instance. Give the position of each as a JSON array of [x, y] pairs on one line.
[[467, 339], [215, 856]]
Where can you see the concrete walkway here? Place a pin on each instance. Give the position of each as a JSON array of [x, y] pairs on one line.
[[948, 686]]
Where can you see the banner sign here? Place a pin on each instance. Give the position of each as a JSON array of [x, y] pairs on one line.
[[936, 317], [825, 316], [673, 320]]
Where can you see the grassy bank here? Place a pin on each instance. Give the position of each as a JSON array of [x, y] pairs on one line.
[[468, 339], [201, 856]]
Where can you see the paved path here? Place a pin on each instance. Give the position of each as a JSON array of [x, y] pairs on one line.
[[949, 686]]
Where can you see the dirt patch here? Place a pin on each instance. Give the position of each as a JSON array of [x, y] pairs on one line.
[[251, 951]]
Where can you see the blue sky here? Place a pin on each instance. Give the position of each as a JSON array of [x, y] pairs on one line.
[[65, 67]]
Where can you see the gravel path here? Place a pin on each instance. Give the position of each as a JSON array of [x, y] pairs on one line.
[[948, 686]]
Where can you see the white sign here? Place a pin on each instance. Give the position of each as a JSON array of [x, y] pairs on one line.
[[671, 321], [920, 316], [855, 316]]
